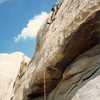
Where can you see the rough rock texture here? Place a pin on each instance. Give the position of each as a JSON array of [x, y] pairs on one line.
[[75, 29], [10, 65], [81, 78]]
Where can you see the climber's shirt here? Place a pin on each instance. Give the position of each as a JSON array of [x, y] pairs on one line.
[[52, 9]]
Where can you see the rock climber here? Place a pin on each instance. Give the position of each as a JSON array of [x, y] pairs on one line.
[[52, 14], [54, 11]]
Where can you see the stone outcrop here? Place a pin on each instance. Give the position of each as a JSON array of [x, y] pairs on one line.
[[56, 61], [81, 77], [10, 65]]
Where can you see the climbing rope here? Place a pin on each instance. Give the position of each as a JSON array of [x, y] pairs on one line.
[[44, 85], [45, 98], [44, 78]]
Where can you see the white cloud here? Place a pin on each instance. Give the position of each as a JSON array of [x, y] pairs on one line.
[[33, 26], [2, 1]]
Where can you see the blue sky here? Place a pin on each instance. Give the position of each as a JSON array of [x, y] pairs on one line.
[[18, 19]]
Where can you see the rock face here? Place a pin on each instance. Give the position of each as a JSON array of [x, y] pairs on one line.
[[81, 77], [10, 65], [59, 61]]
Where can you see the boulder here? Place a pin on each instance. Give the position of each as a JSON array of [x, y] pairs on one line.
[[81, 79], [10, 65]]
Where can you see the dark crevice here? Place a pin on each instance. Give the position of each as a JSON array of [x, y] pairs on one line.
[[34, 95], [84, 79], [91, 74]]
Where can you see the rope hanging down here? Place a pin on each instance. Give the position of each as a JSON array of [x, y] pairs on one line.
[[44, 82], [45, 98], [44, 78]]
